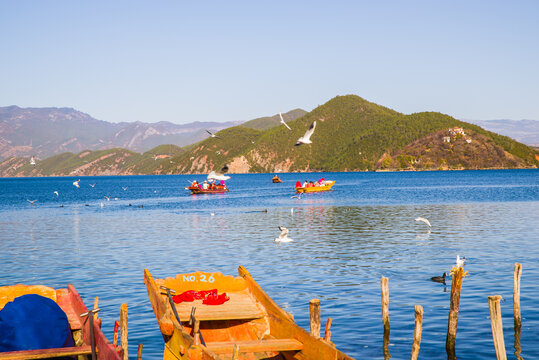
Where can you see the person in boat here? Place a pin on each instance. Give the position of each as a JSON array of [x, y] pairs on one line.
[[298, 184], [205, 185], [311, 184], [316, 184], [194, 184], [305, 184], [322, 182]]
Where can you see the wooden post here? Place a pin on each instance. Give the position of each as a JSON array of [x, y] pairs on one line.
[[417, 331], [196, 333], [327, 330], [384, 287], [516, 308], [115, 338], [314, 307], [96, 305], [139, 352], [123, 331], [496, 324], [456, 284]]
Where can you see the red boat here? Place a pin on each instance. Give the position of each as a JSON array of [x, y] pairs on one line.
[[217, 189]]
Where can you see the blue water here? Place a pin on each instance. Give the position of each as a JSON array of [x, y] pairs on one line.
[[344, 241]]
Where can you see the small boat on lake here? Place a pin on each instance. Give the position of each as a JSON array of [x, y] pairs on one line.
[[276, 179], [325, 187], [237, 320], [217, 190], [87, 339]]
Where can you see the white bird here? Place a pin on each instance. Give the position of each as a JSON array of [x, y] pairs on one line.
[[219, 175], [298, 196], [282, 120], [212, 214], [424, 220], [306, 139], [56, 192], [76, 183], [32, 161], [31, 201], [292, 211], [125, 188], [213, 135], [92, 185], [102, 205], [283, 237], [460, 261], [108, 198]]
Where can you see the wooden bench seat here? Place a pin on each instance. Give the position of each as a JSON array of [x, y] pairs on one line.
[[241, 306], [46, 353], [270, 345]]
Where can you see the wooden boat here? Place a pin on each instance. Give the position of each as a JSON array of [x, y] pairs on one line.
[[217, 190], [326, 187], [250, 325], [276, 179], [80, 323]]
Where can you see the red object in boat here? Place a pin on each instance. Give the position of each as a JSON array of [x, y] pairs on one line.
[[208, 297]]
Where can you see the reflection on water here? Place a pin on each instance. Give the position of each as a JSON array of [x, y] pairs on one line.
[[344, 241]]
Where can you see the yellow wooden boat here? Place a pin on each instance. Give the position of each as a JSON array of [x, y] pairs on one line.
[[326, 187], [250, 325]]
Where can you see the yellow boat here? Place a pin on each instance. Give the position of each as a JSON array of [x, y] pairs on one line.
[[250, 325], [326, 187]]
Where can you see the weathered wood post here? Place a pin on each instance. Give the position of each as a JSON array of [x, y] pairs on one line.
[[496, 324], [456, 284], [384, 287], [123, 331], [516, 308], [417, 331], [314, 307], [139, 352], [327, 330], [96, 305]]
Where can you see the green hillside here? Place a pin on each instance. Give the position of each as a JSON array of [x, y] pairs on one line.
[[265, 123]]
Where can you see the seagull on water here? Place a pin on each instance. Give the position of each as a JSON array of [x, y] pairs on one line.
[[56, 192], [76, 183], [460, 261], [283, 237], [214, 175], [213, 135], [424, 220], [306, 139], [31, 201], [282, 121]]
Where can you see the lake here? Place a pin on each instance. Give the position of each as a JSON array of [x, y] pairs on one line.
[[344, 242]]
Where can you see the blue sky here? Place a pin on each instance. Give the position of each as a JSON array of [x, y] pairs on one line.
[[185, 61]]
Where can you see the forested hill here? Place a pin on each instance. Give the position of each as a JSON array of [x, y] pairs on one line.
[[351, 134]]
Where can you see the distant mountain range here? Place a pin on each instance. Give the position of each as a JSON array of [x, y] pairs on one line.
[[524, 131], [43, 132], [351, 134]]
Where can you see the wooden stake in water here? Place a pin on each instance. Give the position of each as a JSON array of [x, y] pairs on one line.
[[139, 352], [516, 308], [417, 331], [384, 287], [327, 330], [497, 328], [314, 307], [456, 284], [123, 331]]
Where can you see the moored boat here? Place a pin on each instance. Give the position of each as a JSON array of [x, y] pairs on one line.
[[84, 326], [237, 320], [276, 179], [326, 187]]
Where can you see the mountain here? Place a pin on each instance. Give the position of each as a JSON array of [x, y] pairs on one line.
[[351, 134], [43, 132], [524, 131]]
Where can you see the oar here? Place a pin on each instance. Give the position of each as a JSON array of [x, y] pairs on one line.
[[172, 304]]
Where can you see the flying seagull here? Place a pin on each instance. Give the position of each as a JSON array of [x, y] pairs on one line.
[[76, 183], [306, 139], [56, 192], [32, 161], [214, 175], [283, 237], [92, 185], [108, 198], [31, 201], [213, 135], [282, 120], [125, 188], [424, 220], [460, 261]]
